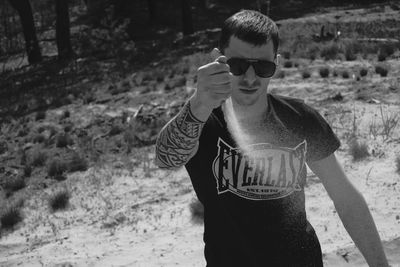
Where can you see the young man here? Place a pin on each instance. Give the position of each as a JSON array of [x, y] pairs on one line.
[[245, 151]]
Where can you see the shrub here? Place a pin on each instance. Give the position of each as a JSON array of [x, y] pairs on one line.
[[358, 150], [14, 184], [345, 74], [10, 217], [56, 167], [63, 140], [381, 70], [382, 56], [387, 49], [389, 123], [116, 129], [68, 127], [363, 72], [66, 114], [288, 64], [59, 200], [39, 138], [197, 211], [286, 54], [324, 72], [349, 54], [27, 170], [280, 74], [398, 164], [334, 73], [306, 74], [40, 115], [330, 51], [77, 163], [312, 51], [39, 158]]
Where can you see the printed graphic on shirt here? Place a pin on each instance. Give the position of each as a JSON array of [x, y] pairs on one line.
[[266, 172]]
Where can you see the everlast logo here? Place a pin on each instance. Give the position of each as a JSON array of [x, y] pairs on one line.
[[266, 172]]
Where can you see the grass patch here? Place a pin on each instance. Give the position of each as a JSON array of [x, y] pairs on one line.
[[38, 138], [389, 123], [59, 201], [280, 74], [397, 162], [66, 114], [10, 217], [349, 54], [382, 57], [116, 129], [288, 64], [197, 211], [77, 163], [27, 170], [15, 184], [381, 70], [358, 150], [324, 72], [63, 140], [40, 115], [363, 72], [305, 74], [56, 167], [330, 51], [39, 158], [286, 54]]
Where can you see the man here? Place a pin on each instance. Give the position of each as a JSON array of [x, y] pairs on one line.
[[245, 151]]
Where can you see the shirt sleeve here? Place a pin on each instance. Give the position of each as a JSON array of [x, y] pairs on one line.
[[321, 140]]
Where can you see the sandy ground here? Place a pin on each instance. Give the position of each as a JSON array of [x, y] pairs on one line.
[[148, 221], [140, 216]]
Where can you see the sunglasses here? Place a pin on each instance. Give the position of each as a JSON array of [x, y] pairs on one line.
[[262, 68]]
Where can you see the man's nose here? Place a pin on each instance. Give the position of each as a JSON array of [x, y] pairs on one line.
[[250, 76]]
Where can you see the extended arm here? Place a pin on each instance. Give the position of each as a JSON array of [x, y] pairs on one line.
[[178, 140], [352, 210]]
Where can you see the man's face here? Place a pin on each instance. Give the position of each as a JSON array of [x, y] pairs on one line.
[[248, 89]]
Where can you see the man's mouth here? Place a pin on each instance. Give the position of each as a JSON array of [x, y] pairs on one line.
[[248, 90]]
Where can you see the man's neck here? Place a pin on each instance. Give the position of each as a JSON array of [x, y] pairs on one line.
[[250, 114]]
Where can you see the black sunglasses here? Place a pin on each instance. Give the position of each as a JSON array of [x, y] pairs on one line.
[[263, 68]]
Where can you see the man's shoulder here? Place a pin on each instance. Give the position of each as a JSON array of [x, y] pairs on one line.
[[289, 104]]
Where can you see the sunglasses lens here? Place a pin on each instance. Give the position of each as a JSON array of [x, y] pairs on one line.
[[264, 69], [238, 66]]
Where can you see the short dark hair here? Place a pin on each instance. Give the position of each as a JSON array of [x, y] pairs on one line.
[[250, 26]]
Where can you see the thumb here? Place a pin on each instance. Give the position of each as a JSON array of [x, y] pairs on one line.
[[221, 59], [215, 54]]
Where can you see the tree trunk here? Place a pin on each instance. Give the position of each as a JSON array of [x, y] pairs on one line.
[[187, 22], [62, 30], [24, 10], [151, 5]]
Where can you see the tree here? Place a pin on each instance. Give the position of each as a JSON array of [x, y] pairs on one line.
[[187, 22], [24, 10], [63, 30], [151, 5]]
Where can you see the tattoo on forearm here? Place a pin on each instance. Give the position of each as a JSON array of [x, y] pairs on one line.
[[178, 139]]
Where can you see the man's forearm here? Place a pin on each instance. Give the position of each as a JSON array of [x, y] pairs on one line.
[[360, 225], [178, 140]]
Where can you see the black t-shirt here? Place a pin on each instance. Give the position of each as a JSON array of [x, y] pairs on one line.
[[254, 210]]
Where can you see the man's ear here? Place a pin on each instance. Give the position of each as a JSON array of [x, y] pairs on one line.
[[215, 53], [277, 59]]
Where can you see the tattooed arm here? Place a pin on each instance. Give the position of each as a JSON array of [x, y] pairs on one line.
[[178, 141]]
